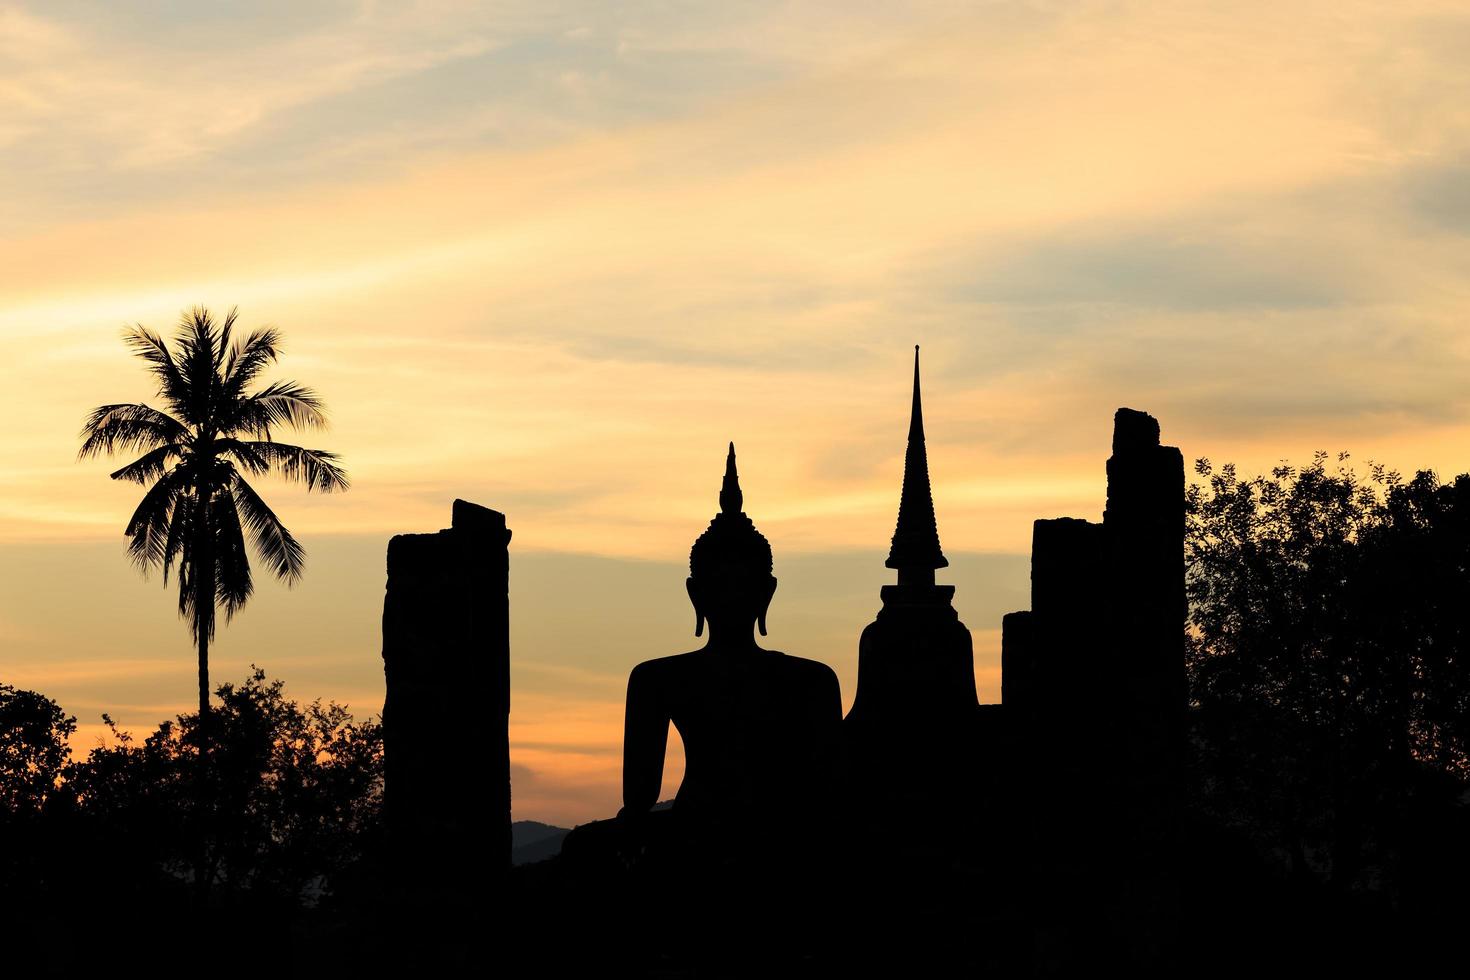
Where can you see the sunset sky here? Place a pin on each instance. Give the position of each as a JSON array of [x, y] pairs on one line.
[[551, 258]]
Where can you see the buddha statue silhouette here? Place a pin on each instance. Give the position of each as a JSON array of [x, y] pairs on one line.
[[760, 728]]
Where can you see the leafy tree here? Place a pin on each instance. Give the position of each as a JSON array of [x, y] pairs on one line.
[[288, 832], [1418, 633], [295, 795], [214, 430], [1329, 656], [33, 795], [33, 750]]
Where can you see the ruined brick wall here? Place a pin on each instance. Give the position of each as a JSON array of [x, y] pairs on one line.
[[1144, 525], [446, 657], [1107, 599], [1093, 674]]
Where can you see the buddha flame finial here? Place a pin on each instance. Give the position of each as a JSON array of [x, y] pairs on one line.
[[731, 537], [916, 552], [731, 500]]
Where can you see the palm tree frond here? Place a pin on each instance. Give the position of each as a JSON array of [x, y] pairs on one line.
[[125, 428], [199, 615], [243, 453], [227, 328], [178, 534], [315, 468], [232, 565], [283, 403], [173, 383], [199, 359], [148, 466], [249, 357], [148, 528], [273, 543]]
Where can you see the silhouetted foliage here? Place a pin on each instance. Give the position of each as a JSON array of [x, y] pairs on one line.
[[1329, 663], [33, 751], [290, 825], [296, 792], [1421, 555], [33, 792]]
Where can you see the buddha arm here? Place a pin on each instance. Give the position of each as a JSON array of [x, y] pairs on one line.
[[829, 718], [645, 737], [824, 720]]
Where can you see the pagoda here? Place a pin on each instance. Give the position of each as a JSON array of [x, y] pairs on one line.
[[915, 703]]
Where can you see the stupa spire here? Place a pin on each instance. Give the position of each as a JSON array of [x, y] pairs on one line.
[[916, 552], [731, 499]]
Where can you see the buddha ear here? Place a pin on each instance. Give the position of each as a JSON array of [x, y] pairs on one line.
[[761, 620], [698, 613]]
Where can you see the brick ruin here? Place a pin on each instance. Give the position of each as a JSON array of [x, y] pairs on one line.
[[1077, 764], [446, 658], [1093, 696], [1100, 654]]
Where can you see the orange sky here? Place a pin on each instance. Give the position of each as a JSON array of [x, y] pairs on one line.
[[552, 261]]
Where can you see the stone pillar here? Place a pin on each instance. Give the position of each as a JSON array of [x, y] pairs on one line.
[[446, 657], [1068, 577], [1017, 687], [1145, 524], [1100, 658], [1094, 715]]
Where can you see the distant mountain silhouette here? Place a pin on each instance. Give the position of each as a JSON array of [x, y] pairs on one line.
[[532, 841]]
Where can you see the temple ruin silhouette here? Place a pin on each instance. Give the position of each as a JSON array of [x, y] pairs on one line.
[[1043, 809], [446, 662], [1099, 657], [1093, 707], [912, 717]]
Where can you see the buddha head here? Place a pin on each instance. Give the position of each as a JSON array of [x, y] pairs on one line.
[[730, 580]]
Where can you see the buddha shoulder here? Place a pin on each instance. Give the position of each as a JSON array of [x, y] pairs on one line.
[[650, 670], [801, 667]]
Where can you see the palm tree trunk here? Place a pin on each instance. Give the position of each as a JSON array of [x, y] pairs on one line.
[[202, 869], [203, 583], [204, 589], [203, 673]]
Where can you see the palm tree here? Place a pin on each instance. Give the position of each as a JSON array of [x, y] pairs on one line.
[[196, 452]]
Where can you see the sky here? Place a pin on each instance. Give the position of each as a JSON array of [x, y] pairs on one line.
[[551, 258]]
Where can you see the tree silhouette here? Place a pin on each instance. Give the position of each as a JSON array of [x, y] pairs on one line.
[[199, 508], [33, 750], [299, 791], [34, 756], [1329, 660], [292, 849]]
